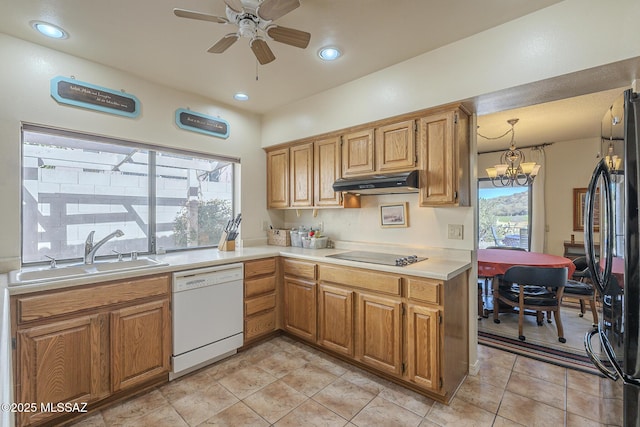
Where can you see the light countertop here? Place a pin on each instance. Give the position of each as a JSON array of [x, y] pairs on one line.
[[441, 264]]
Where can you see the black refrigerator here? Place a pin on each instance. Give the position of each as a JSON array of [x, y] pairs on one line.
[[611, 207]]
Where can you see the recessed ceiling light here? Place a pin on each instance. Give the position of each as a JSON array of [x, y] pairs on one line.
[[241, 96], [49, 30], [329, 53]]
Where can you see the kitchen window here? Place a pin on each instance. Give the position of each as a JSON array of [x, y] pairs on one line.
[[504, 215], [161, 199]]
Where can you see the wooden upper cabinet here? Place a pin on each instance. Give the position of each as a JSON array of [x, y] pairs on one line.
[[396, 147], [278, 178], [301, 180], [444, 159], [358, 153], [327, 169]]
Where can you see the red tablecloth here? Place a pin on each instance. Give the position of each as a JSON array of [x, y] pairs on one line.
[[492, 262]]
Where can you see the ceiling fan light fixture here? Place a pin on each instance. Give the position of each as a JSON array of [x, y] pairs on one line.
[[240, 96], [49, 30], [329, 53]]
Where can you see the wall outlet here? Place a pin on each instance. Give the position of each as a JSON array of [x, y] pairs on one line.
[[321, 226], [265, 225], [454, 231]]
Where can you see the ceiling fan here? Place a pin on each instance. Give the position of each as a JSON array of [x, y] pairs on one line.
[[254, 19]]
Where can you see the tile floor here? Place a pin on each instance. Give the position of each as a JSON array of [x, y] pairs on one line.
[[284, 383]]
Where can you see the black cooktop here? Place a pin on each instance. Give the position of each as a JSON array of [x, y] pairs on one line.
[[378, 258]]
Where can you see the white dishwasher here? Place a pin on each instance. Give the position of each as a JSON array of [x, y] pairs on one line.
[[207, 316]]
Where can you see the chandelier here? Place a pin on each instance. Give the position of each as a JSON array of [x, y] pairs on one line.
[[612, 160], [513, 169]]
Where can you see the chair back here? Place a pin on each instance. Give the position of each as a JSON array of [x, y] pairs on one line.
[[580, 263], [549, 277]]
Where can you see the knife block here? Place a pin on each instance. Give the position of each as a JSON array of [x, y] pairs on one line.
[[226, 245]]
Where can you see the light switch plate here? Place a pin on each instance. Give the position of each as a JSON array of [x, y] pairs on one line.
[[454, 231]]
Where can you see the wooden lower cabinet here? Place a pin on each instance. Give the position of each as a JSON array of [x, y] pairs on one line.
[[260, 298], [423, 346], [300, 308], [140, 343], [68, 354], [62, 362], [412, 329], [379, 332], [335, 319]]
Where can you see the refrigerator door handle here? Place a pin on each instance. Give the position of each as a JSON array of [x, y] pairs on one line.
[[614, 375], [606, 240]]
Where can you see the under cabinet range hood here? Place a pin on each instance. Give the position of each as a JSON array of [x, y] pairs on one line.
[[406, 182]]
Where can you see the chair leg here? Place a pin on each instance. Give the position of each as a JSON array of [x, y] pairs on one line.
[[548, 317], [581, 308], [480, 303], [521, 337], [592, 303], [556, 315]]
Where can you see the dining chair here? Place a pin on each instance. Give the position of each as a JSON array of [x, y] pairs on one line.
[[538, 289], [483, 283], [581, 288]]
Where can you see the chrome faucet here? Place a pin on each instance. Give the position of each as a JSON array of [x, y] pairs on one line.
[[90, 248]]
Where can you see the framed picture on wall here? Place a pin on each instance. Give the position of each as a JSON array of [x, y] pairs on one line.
[[394, 215], [579, 197]]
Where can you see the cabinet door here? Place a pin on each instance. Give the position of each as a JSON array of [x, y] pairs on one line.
[[444, 159], [301, 179], [300, 308], [141, 343], [358, 153], [379, 333], [327, 167], [62, 362], [278, 178], [438, 159], [335, 317], [423, 349], [396, 147]]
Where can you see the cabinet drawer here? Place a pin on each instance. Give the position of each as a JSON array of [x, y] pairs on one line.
[[259, 267], [255, 287], [57, 303], [259, 325], [258, 304], [373, 280], [424, 290], [303, 269]]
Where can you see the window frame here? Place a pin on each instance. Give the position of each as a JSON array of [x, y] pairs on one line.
[[529, 202], [153, 150]]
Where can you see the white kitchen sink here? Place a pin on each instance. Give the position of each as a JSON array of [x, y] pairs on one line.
[[124, 265], [21, 277]]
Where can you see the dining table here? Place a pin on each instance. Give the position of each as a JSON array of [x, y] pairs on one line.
[[495, 262]]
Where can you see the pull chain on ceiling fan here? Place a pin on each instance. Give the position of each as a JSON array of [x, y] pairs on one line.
[[254, 19]]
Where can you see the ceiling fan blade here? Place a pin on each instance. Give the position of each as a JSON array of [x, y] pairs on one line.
[[224, 43], [235, 5], [262, 51], [289, 36], [270, 10], [183, 13]]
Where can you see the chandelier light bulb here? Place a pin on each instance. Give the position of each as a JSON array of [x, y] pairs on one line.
[[513, 169]]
